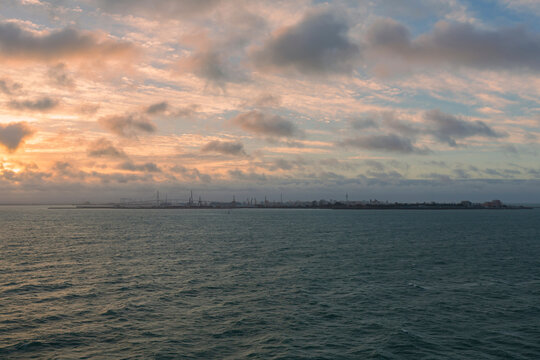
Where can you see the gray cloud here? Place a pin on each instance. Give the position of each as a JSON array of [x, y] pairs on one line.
[[209, 65], [389, 120], [41, 104], [225, 147], [16, 42], [146, 167], [88, 109], [461, 173], [416, 9], [449, 128], [392, 121], [384, 175], [457, 44], [7, 87], [509, 149], [337, 164], [105, 148], [187, 111], [376, 165], [441, 164], [512, 172], [216, 56], [318, 44], [492, 172], [60, 76], [247, 176], [444, 127], [13, 135], [64, 168], [442, 178], [159, 8], [390, 143], [266, 124], [127, 125], [361, 124], [212, 65], [266, 100], [191, 174], [157, 108], [282, 164]]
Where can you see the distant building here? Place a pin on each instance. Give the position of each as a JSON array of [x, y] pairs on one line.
[[466, 203], [493, 204]]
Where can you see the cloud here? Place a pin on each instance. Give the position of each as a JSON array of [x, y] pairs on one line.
[[159, 8], [449, 128], [187, 111], [392, 121], [336, 164], [41, 104], [375, 165], [60, 76], [157, 108], [12, 135], [444, 127], [104, 148], [217, 56], [247, 176], [225, 147], [461, 173], [165, 107], [191, 174], [266, 100], [361, 124], [527, 6], [88, 108], [19, 43], [455, 44], [146, 167], [423, 9], [266, 124], [318, 44], [210, 65], [282, 164], [509, 149], [7, 87], [389, 143], [127, 125]]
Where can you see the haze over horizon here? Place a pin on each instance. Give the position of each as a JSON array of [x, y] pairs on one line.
[[400, 101]]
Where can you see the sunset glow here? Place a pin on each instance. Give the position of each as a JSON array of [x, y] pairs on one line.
[[433, 100]]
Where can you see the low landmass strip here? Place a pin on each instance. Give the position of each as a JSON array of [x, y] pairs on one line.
[[252, 203]]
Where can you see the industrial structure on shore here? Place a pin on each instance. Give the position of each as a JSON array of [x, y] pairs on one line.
[[252, 203]]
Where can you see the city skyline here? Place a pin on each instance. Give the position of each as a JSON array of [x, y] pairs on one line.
[[423, 101]]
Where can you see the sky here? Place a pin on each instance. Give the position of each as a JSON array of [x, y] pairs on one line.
[[432, 100]]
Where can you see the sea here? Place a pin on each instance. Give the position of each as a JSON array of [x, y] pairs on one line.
[[269, 284]]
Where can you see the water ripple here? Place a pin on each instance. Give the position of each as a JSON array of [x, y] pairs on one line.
[[273, 284]]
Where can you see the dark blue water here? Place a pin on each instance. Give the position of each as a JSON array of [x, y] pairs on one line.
[[269, 284]]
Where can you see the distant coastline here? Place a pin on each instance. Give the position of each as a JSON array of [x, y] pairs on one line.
[[322, 204]]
